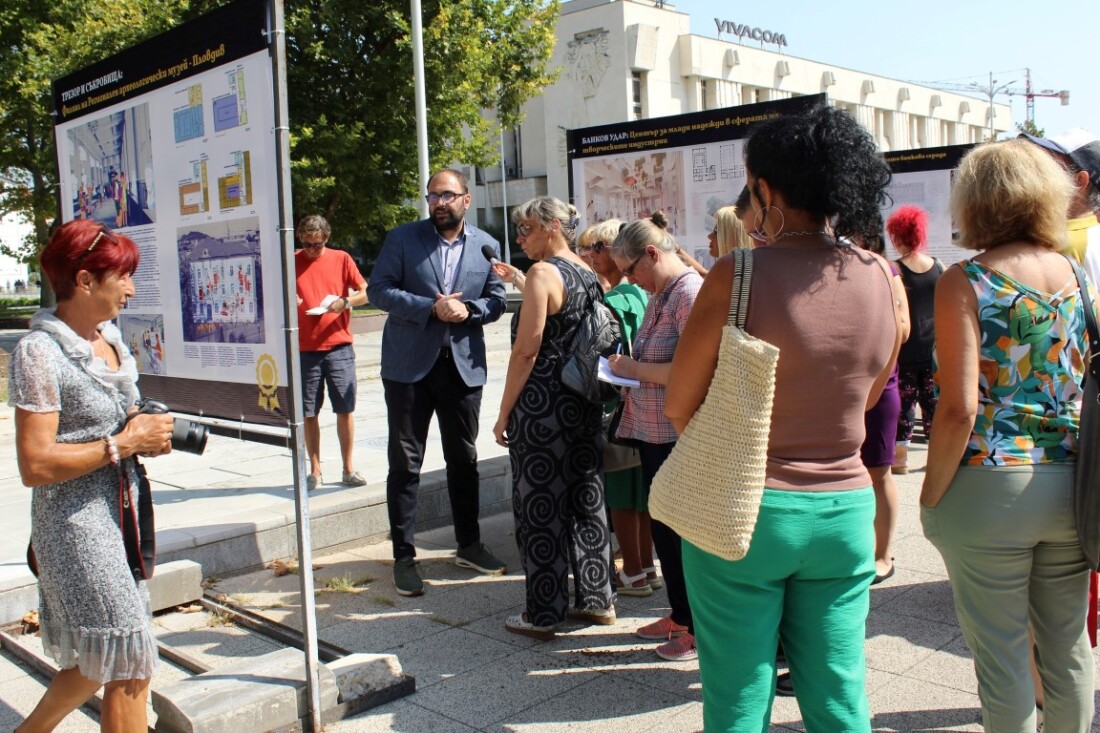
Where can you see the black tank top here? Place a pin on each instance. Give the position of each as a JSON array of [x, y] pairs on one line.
[[920, 288]]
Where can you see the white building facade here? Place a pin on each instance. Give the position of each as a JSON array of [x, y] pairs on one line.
[[635, 59]]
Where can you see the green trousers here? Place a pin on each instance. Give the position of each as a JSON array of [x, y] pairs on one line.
[[1008, 539], [805, 580]]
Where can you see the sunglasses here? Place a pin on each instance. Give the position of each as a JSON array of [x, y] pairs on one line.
[[629, 269], [596, 248]]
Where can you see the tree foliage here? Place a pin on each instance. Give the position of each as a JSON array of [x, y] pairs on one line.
[[40, 42], [351, 95], [1030, 128], [352, 99]]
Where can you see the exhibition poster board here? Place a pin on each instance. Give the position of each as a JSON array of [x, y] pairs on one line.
[[173, 143], [923, 177], [688, 166]]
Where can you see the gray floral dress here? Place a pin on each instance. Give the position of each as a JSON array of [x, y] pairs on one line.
[[93, 614]]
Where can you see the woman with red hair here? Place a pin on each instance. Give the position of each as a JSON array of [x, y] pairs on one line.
[[908, 230], [73, 384]]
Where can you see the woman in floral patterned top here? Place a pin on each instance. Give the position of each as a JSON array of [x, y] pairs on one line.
[[997, 500]]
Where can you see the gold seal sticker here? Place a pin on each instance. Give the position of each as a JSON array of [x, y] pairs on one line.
[[267, 379]]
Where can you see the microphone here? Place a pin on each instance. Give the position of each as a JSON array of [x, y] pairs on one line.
[[490, 254]]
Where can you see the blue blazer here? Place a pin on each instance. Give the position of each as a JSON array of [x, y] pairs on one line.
[[406, 278]]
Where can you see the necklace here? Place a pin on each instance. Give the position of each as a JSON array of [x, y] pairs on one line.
[[784, 235]]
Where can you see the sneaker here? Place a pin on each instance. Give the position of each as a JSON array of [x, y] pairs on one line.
[[313, 481], [354, 479], [519, 624], [406, 578], [680, 649], [661, 630], [783, 685], [477, 557], [601, 616]]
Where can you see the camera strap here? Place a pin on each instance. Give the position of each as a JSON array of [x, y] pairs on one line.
[[137, 525]]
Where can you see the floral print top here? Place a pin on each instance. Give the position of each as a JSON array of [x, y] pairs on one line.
[[1031, 367]]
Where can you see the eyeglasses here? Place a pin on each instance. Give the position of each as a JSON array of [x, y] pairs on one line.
[[315, 245], [446, 197], [714, 231], [629, 269]]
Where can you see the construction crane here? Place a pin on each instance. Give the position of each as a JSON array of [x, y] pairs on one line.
[[992, 89]]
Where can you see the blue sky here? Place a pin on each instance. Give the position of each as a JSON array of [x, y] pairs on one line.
[[931, 40]]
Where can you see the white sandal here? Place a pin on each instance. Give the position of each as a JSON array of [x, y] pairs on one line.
[[627, 587], [655, 582], [519, 624]]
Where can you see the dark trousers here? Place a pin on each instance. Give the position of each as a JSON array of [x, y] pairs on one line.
[[665, 541], [410, 408]]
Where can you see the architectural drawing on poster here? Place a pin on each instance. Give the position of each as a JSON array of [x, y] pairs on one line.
[[230, 108], [633, 187], [110, 177], [194, 188], [144, 335], [220, 277], [187, 120]]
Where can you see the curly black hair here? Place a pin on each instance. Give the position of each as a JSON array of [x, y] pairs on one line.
[[824, 163]]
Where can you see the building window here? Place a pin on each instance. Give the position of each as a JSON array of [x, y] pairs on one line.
[[637, 93]]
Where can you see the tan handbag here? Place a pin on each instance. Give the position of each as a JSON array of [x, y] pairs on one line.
[[709, 488]]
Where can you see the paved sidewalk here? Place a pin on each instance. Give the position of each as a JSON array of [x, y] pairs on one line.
[[471, 674]]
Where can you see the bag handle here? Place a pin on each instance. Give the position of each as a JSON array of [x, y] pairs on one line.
[[742, 286], [1090, 320]]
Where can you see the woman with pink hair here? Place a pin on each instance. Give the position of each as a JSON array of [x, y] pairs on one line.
[[908, 230]]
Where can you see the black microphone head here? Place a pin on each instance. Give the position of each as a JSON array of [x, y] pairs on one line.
[[489, 252]]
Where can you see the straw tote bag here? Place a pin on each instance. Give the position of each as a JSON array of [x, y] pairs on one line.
[[709, 488]]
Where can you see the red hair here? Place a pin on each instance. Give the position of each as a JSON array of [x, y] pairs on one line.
[[85, 245], [908, 227]]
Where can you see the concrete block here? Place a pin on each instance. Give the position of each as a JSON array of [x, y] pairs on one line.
[[175, 583], [18, 594], [359, 675], [263, 693]]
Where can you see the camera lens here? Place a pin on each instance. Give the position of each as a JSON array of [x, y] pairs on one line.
[[188, 436]]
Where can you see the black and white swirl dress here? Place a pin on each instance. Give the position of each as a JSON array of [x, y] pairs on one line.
[[556, 454]]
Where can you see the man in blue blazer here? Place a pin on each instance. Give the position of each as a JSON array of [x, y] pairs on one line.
[[439, 291]]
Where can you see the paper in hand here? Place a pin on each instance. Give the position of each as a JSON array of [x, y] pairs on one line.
[[323, 307], [604, 374]]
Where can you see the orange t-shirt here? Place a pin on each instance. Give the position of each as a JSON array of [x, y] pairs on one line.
[[333, 273]]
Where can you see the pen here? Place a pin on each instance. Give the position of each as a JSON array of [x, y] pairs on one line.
[[619, 348]]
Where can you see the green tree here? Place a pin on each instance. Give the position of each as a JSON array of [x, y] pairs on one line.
[[40, 42], [1030, 128], [351, 96], [352, 102]]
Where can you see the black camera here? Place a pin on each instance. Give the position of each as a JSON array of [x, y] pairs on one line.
[[187, 435]]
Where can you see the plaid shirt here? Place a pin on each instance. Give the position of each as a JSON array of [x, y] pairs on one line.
[[665, 317]]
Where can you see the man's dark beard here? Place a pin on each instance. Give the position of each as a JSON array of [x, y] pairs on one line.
[[449, 223]]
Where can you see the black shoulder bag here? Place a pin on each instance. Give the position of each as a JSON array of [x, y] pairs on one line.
[[1086, 487]]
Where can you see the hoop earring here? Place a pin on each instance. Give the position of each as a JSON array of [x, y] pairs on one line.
[[758, 224]]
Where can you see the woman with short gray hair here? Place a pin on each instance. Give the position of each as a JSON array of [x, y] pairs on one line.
[[553, 435]]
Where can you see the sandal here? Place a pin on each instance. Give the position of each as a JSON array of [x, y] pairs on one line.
[[519, 624], [627, 587], [653, 579]]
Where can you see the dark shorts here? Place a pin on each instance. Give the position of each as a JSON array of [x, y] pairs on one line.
[[881, 422], [335, 368]]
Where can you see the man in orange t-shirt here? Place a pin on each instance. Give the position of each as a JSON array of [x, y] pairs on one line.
[[325, 341]]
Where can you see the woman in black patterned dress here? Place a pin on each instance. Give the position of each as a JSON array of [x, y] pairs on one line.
[[553, 435]]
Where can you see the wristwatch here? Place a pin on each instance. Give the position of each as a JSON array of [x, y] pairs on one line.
[[347, 303]]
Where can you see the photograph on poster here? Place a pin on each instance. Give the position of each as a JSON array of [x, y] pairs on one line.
[[220, 282], [633, 187], [111, 169], [144, 335]]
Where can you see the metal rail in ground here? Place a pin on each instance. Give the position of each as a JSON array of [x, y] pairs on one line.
[[273, 630]]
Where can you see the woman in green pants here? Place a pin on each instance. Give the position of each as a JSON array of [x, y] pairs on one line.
[[816, 180]]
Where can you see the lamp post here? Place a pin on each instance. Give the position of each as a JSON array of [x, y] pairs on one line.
[[991, 91]]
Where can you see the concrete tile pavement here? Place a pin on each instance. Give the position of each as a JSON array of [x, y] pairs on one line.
[[472, 675]]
